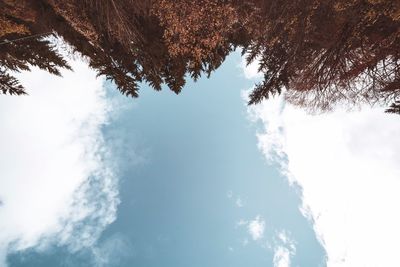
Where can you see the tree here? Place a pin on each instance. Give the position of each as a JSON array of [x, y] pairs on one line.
[[20, 47], [321, 52], [329, 52]]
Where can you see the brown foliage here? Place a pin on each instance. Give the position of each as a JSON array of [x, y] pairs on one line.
[[196, 29], [323, 52], [330, 52]]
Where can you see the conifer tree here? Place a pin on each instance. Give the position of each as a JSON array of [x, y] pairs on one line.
[[320, 52]]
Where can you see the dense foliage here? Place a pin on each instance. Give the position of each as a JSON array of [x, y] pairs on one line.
[[322, 52]]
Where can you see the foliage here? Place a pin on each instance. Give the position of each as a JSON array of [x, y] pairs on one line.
[[329, 52], [394, 108], [320, 52], [10, 85]]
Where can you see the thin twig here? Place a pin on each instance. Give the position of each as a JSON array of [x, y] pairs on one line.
[[24, 38]]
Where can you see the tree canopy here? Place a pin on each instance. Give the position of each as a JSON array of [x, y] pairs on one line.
[[321, 52]]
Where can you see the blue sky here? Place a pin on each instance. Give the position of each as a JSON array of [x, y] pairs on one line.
[[91, 178], [191, 179]]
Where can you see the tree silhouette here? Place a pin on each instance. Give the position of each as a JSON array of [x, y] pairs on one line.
[[320, 52]]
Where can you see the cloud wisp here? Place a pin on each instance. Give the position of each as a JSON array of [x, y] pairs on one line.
[[256, 228], [347, 166], [284, 250], [56, 185], [281, 245]]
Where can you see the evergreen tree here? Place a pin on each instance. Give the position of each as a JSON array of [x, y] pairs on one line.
[[322, 52]]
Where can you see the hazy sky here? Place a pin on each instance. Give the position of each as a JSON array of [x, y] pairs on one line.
[[91, 178]]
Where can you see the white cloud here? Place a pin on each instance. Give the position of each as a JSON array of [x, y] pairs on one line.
[[114, 251], [55, 185], [281, 257], [347, 164], [239, 202], [251, 71], [271, 139], [256, 228], [237, 199], [284, 250], [241, 222]]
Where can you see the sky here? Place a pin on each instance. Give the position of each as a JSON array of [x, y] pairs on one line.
[[89, 177]]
